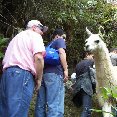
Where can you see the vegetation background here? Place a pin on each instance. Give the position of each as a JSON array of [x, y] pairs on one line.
[[71, 15]]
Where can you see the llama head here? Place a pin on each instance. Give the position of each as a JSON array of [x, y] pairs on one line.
[[94, 42]]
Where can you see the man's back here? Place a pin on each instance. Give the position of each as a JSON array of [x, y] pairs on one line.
[[21, 49], [83, 66], [58, 43]]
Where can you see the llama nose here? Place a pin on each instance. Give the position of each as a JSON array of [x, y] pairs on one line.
[[87, 47]]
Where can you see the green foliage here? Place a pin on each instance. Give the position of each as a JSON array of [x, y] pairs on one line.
[[100, 111], [71, 15], [109, 92], [3, 42]]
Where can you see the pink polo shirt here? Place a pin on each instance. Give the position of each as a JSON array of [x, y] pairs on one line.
[[21, 50]]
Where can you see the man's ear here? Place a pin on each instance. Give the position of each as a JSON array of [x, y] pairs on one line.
[[33, 28]]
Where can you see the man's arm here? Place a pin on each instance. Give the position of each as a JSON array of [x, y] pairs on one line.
[[39, 65], [63, 63]]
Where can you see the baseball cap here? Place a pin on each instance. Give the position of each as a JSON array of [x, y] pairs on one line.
[[33, 23], [38, 24]]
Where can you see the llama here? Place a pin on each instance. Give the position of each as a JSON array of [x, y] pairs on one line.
[[106, 74]]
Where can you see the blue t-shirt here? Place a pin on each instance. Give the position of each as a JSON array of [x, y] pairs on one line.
[[58, 69]]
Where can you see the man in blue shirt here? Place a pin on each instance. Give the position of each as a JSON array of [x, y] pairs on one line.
[[50, 99]]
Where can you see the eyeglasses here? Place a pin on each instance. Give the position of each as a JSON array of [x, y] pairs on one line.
[[40, 27]]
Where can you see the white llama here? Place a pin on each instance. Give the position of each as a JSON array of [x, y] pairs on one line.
[[105, 72]]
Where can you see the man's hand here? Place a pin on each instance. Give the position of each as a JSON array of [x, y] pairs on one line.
[[38, 84], [66, 75]]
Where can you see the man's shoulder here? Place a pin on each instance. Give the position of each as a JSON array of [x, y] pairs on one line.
[[85, 62], [82, 62]]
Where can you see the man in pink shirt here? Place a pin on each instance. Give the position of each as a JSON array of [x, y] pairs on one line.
[[22, 70]]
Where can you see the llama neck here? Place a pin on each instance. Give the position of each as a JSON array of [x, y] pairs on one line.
[[102, 57], [103, 67]]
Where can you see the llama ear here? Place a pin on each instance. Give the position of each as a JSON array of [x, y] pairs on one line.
[[88, 32]]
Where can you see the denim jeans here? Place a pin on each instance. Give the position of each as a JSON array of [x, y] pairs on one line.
[[87, 104], [16, 91], [50, 98]]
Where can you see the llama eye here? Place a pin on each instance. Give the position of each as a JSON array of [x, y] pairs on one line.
[[97, 41]]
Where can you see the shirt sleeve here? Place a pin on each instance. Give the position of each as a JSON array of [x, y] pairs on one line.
[[60, 43], [37, 44]]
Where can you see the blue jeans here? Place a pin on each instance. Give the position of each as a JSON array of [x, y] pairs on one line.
[[50, 98], [16, 91], [87, 104]]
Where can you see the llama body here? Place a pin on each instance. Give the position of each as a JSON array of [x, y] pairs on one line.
[[106, 74]]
